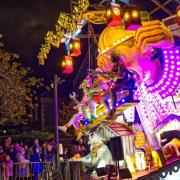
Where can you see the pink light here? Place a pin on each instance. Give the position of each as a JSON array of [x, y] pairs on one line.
[[171, 75]]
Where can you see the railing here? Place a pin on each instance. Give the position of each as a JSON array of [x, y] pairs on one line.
[[30, 171]]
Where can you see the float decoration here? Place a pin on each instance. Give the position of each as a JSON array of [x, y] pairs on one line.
[[67, 23]]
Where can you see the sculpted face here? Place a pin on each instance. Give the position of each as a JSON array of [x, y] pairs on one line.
[[134, 49]]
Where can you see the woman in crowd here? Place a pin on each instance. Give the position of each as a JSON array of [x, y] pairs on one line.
[[7, 167]]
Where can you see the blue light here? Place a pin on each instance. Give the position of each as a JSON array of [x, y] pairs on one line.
[[123, 100]]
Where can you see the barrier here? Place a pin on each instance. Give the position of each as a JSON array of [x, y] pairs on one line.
[[29, 170]]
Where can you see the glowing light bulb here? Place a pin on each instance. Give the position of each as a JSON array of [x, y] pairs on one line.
[[116, 11], [135, 14], [76, 45], [63, 63], [108, 13], [126, 16]]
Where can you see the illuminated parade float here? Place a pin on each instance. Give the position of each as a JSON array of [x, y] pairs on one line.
[[130, 109]]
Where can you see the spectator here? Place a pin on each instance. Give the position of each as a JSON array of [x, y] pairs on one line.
[[75, 154], [27, 154], [7, 166], [24, 171], [50, 154], [7, 144], [2, 154], [36, 144], [36, 167], [15, 151]]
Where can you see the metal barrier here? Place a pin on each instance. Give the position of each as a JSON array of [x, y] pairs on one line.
[[30, 171]]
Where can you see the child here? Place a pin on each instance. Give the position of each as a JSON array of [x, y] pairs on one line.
[[7, 166]]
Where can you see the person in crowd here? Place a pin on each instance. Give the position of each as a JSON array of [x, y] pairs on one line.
[[83, 146], [36, 167], [16, 150], [2, 154], [27, 154], [7, 144], [23, 170], [36, 144], [7, 167], [74, 152], [50, 153]]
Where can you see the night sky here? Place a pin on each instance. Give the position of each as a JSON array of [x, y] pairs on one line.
[[24, 24]]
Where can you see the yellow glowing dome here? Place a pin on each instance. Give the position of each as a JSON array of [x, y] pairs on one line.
[[109, 40]]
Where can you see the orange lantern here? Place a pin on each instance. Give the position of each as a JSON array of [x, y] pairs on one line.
[[113, 14], [74, 47], [67, 65]]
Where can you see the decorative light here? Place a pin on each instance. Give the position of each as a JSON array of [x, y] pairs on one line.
[[74, 47], [113, 14], [67, 23], [135, 14], [67, 65], [131, 17], [169, 74]]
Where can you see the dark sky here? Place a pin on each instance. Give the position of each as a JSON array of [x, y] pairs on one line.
[[24, 23]]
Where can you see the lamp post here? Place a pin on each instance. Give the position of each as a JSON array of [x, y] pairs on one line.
[[56, 115], [55, 85]]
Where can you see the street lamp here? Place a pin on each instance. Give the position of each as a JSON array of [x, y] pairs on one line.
[[55, 83]]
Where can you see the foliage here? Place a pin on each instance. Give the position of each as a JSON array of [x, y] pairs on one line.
[[66, 112], [15, 89], [41, 135]]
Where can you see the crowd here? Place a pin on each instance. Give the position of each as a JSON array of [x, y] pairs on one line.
[[20, 160], [15, 157]]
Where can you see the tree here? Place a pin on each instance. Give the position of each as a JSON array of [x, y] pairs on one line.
[[15, 89]]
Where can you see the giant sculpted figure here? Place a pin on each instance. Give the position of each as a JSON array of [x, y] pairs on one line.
[[138, 50]]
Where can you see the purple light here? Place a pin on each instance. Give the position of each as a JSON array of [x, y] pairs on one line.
[[123, 100], [172, 66], [169, 74]]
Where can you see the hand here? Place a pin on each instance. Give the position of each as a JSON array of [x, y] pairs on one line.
[[153, 34]]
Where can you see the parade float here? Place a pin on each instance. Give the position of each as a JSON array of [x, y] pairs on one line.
[[138, 73]]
